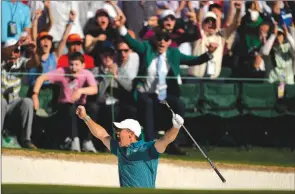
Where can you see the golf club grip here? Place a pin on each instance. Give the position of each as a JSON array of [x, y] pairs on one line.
[[217, 171], [220, 176]]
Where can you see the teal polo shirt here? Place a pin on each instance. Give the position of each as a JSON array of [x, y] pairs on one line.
[[137, 164]]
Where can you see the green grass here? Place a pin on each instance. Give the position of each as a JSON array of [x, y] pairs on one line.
[[54, 189], [257, 156]]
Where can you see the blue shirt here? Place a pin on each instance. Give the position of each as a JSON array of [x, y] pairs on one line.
[[137, 164], [47, 65], [14, 12]]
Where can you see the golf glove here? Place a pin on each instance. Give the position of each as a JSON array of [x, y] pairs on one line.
[[177, 121]]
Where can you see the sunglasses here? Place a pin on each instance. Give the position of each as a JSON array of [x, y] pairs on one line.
[[123, 50], [207, 20], [169, 17], [163, 37], [16, 50]]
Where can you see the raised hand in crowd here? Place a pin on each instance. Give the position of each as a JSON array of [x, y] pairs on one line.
[[275, 29], [37, 15], [212, 47], [119, 22], [72, 16], [192, 17], [237, 4]]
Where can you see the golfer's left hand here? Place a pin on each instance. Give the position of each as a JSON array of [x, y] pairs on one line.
[[177, 121]]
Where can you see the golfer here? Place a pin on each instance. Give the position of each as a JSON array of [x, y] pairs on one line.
[[137, 160]]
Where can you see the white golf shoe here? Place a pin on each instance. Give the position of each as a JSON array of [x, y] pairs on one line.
[[76, 145], [88, 146]]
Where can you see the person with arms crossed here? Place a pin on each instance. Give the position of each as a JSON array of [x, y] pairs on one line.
[[137, 160]]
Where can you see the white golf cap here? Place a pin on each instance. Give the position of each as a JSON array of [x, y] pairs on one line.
[[130, 124], [166, 13], [210, 14], [9, 42]]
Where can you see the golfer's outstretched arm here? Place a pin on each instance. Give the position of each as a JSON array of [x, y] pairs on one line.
[[98, 131], [170, 135]]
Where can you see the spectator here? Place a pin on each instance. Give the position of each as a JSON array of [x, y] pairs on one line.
[[174, 6], [281, 48], [249, 36], [75, 84], [45, 17], [180, 33], [47, 54], [137, 14], [151, 89], [60, 11], [128, 65], [13, 105], [14, 24], [281, 16], [211, 34], [91, 7], [74, 44], [97, 30]]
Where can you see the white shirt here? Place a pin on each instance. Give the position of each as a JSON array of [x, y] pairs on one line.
[[152, 74], [60, 11]]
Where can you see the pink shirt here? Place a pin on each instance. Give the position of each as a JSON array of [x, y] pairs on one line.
[[69, 84]]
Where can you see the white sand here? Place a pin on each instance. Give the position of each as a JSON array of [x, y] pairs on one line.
[[20, 169]]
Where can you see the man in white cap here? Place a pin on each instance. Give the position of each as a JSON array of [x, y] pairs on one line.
[[12, 104], [137, 160]]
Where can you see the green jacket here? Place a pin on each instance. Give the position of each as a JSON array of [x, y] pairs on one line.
[[147, 53]]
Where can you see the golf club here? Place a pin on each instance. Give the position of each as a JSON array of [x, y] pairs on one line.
[[208, 159]]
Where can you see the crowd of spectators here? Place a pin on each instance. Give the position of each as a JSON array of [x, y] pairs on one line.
[[114, 57]]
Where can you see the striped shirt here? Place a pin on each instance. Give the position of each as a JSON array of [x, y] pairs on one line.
[[11, 79], [137, 164]]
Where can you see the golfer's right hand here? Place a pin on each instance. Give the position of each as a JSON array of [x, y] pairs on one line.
[[177, 121], [81, 112]]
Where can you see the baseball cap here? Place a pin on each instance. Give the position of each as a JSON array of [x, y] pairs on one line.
[[10, 42], [166, 13], [44, 34], [210, 14], [215, 4], [102, 12], [74, 38], [108, 47], [130, 124]]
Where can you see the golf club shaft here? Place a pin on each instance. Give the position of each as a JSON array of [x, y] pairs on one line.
[[208, 159]]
